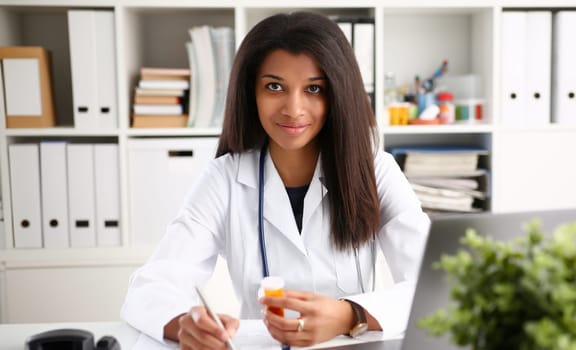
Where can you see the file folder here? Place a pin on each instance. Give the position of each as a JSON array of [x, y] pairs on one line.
[[204, 98], [93, 63], [526, 68], [363, 42], [564, 78], [81, 198], [539, 69], [25, 184], [105, 51], [54, 190], [107, 184], [346, 27], [513, 40], [27, 87]]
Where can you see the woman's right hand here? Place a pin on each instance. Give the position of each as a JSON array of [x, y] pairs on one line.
[[199, 331]]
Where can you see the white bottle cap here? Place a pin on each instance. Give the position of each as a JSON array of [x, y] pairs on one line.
[[272, 283]]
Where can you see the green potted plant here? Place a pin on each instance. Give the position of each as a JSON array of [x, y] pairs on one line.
[[511, 295]]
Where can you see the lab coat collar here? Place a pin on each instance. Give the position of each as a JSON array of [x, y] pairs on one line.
[[248, 168], [276, 200]]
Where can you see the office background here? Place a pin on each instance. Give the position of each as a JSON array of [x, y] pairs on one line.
[[517, 58]]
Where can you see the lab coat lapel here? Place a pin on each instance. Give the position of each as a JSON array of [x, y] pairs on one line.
[[314, 196], [277, 207]]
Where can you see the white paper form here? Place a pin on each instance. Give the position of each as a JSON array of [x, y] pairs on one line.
[[253, 335]]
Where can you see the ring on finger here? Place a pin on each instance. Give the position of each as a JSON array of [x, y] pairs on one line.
[[300, 324]]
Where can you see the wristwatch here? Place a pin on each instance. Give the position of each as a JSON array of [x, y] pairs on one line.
[[360, 325]]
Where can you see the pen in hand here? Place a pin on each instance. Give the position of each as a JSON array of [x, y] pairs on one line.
[[214, 316]]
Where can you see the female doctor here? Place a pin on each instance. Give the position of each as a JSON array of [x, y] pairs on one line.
[[299, 189]]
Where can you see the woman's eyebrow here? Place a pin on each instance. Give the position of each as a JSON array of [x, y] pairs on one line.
[[272, 76], [275, 77]]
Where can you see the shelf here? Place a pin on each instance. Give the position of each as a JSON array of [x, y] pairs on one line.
[[175, 132], [412, 37], [544, 128], [59, 131], [26, 258], [439, 129], [57, 3]]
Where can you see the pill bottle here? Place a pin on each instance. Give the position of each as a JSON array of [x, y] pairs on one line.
[[390, 89], [273, 286], [446, 105], [469, 110]]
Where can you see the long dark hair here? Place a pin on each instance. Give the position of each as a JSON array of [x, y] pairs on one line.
[[348, 137]]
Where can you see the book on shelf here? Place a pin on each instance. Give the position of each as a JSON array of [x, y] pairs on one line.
[[204, 72], [159, 92], [447, 192], [157, 100], [161, 97], [223, 44], [165, 77], [159, 121], [462, 205], [161, 109], [458, 183], [210, 54], [447, 199], [164, 73], [193, 95], [446, 178], [164, 84], [439, 160]]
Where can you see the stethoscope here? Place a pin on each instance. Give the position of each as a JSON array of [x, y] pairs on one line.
[[261, 238]]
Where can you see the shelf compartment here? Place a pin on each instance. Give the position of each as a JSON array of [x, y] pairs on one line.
[[46, 27], [417, 40]]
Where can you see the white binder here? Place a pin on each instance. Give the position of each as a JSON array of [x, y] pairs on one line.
[[81, 195], [107, 186], [564, 79], [206, 75], [526, 68], [513, 40], [53, 176], [346, 28], [160, 173], [93, 62], [105, 51], [539, 71], [364, 49], [25, 184]]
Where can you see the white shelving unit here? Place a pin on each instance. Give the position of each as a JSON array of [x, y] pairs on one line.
[[531, 168]]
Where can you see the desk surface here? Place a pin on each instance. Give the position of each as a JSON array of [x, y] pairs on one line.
[[14, 335], [251, 335]]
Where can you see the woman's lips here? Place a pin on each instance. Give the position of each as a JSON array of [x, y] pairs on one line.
[[293, 129]]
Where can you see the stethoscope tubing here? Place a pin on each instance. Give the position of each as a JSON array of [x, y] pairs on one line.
[[265, 271]]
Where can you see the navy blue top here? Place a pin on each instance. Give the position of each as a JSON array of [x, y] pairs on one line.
[[296, 195]]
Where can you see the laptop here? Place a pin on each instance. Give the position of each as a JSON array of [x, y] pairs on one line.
[[432, 290]]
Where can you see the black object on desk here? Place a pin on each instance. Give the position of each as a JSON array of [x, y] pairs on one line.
[[70, 339]]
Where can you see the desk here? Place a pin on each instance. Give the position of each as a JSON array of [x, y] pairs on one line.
[[13, 336], [251, 335]]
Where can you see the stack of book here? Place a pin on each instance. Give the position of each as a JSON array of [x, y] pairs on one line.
[[161, 98], [446, 179]]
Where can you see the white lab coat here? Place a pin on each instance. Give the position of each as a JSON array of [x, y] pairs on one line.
[[220, 215]]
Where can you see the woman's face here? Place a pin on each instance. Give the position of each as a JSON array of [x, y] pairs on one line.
[[291, 100]]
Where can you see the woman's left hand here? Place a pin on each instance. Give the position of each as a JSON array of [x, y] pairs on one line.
[[321, 318]]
